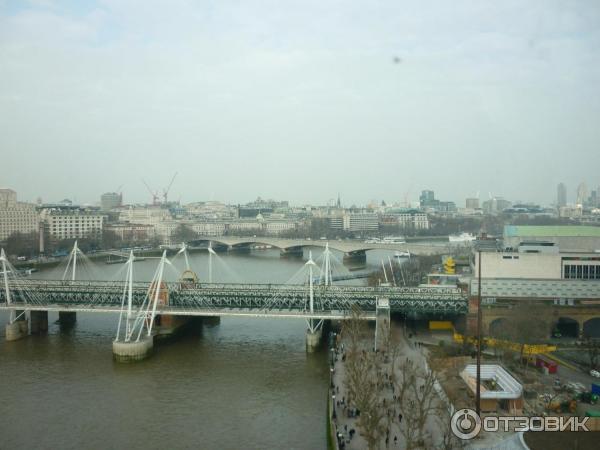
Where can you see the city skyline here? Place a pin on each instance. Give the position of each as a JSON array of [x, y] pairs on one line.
[[340, 225], [292, 101], [571, 198]]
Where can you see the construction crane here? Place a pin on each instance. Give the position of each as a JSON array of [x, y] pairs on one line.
[[166, 191], [153, 194]]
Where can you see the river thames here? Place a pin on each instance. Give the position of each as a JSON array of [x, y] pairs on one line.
[[244, 383]]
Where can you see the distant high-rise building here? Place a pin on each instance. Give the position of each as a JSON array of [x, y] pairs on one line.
[[561, 195], [427, 198], [582, 194], [495, 205], [472, 203], [594, 198], [110, 200]]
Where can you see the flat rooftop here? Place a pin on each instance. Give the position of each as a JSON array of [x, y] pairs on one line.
[[551, 231]]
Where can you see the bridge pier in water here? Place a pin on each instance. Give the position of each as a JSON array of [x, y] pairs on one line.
[[133, 350], [17, 329], [67, 319], [359, 256], [313, 339], [211, 321], [39, 322], [169, 327], [291, 252]]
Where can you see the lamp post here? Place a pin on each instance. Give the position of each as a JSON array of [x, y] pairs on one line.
[[478, 386]]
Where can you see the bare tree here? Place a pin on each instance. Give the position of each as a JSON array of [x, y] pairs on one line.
[[183, 233], [417, 395], [448, 441], [593, 350], [364, 380], [355, 329]]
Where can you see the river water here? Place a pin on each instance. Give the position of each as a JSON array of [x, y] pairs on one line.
[[245, 383]]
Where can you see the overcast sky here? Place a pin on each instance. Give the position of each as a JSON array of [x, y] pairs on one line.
[[299, 100]]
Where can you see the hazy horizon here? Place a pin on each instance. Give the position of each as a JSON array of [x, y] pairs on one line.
[[299, 100]]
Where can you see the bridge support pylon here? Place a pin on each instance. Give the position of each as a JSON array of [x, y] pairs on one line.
[[382, 324], [313, 339], [67, 319], [39, 322], [16, 330], [291, 252], [133, 350], [357, 256]]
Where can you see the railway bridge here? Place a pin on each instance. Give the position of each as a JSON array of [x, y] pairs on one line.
[[146, 309]]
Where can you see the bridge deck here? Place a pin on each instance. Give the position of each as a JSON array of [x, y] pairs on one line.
[[229, 299]]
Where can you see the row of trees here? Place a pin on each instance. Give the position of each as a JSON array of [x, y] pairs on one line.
[[27, 244], [370, 378], [411, 272]]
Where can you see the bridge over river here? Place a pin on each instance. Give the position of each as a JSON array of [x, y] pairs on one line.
[[350, 248], [261, 300], [148, 308]]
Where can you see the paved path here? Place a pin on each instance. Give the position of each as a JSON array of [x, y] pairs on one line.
[[344, 423]]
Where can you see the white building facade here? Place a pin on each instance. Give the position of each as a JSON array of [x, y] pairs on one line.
[[16, 217], [72, 223]]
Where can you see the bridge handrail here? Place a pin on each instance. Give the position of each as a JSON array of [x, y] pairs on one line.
[[173, 285]]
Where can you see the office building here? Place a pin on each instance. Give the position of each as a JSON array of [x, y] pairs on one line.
[[110, 200], [16, 217], [472, 203], [561, 195]]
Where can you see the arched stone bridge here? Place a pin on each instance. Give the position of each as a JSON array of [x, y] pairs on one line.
[[348, 247]]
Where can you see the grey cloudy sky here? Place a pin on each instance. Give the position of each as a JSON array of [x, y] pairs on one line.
[[299, 100]]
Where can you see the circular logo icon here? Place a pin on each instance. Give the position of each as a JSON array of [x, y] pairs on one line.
[[466, 424]]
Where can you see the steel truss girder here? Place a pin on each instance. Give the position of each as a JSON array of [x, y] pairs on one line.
[[259, 297]]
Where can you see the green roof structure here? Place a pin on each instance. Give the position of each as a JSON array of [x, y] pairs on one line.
[[551, 231]]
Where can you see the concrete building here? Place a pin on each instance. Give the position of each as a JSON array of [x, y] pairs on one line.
[[569, 238], [132, 232], [164, 231], [561, 195], [499, 389], [472, 203], [244, 225], [209, 228], [495, 205], [427, 199], [276, 227], [151, 215], [110, 200], [355, 222], [405, 218], [72, 222], [582, 194], [570, 211], [16, 217]]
